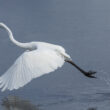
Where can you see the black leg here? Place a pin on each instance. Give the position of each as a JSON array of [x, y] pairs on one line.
[[88, 74]]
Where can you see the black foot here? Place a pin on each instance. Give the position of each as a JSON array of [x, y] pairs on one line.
[[90, 74]]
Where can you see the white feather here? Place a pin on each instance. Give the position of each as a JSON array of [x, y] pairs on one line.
[[42, 58], [30, 65]]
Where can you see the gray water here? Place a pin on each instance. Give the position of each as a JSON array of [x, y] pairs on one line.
[[82, 27]]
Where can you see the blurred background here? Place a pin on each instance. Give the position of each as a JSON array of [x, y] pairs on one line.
[[82, 27]]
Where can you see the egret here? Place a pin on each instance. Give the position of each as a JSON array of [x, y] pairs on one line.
[[39, 58]]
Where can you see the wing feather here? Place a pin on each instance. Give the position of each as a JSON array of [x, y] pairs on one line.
[[31, 64]]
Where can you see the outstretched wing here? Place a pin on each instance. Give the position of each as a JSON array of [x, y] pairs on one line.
[[31, 64]]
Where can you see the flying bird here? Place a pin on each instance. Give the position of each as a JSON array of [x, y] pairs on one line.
[[39, 58]]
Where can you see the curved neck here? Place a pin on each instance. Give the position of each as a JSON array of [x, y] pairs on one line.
[[23, 45]]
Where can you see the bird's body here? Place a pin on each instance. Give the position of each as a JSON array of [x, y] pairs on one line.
[[39, 58]]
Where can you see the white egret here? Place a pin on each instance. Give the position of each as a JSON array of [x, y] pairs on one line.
[[39, 58]]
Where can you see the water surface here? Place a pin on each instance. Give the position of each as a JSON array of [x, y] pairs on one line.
[[83, 29]]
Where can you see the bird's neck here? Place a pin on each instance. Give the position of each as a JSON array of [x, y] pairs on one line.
[[22, 45]]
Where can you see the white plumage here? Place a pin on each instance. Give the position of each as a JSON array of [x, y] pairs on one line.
[[31, 64], [39, 59]]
